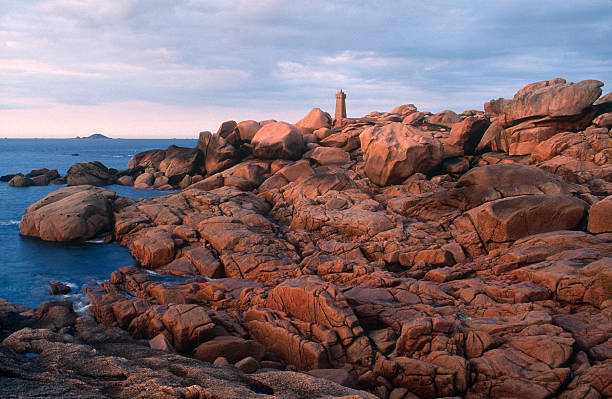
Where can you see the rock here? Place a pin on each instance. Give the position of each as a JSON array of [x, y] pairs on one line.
[[468, 133], [329, 155], [155, 249], [181, 161], [20, 181], [558, 99], [444, 118], [218, 153], [247, 130], [69, 214], [231, 348], [160, 342], [59, 288], [603, 120], [247, 365], [509, 219], [339, 376], [600, 216], [278, 140], [491, 134], [91, 173], [144, 181], [456, 165], [322, 133], [404, 110], [396, 151], [7, 178], [315, 119], [147, 159], [125, 181]]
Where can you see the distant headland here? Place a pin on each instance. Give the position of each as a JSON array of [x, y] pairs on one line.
[[94, 136]]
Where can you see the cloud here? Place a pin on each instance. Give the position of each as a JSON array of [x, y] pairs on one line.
[[282, 58]]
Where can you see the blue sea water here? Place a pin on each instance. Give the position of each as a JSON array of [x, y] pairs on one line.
[[28, 264]]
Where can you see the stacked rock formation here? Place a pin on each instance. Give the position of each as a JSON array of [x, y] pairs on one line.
[[389, 253]]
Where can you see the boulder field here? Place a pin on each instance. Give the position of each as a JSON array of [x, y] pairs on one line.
[[403, 254]]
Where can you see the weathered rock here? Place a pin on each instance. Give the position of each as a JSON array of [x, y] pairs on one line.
[[559, 99], [315, 119], [91, 173], [20, 181], [509, 219], [468, 133], [247, 130], [69, 214], [445, 118], [278, 140], [147, 159], [180, 162], [59, 288], [229, 347], [329, 155], [600, 216], [396, 151], [218, 154]]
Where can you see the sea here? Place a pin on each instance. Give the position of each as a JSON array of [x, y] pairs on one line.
[[27, 265]]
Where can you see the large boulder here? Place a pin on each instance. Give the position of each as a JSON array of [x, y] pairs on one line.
[[218, 153], [552, 99], [230, 347], [90, 173], [278, 140], [509, 219], [315, 119], [600, 216], [247, 130], [180, 161], [446, 118], [70, 214], [147, 159], [468, 133], [396, 151]]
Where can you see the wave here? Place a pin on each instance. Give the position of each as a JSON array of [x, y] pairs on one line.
[[9, 222], [95, 241]]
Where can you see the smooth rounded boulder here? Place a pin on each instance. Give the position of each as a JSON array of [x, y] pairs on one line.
[[396, 151], [278, 140], [90, 173], [70, 214], [247, 129], [181, 161]]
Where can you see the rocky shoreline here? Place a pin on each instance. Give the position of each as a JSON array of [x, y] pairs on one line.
[[405, 254]]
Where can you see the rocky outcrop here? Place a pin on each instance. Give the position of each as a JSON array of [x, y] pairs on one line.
[[70, 214], [540, 110], [387, 254]]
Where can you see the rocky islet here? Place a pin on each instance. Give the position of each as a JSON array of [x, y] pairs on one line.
[[403, 253]]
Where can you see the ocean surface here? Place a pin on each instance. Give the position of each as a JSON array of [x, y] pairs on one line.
[[27, 265]]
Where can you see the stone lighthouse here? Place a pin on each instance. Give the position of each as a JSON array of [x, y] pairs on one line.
[[340, 105]]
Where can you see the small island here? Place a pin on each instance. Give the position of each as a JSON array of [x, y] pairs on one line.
[[94, 136]]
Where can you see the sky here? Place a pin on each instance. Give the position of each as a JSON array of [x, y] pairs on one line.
[[173, 68]]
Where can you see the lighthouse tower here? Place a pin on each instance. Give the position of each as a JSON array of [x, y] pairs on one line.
[[340, 105]]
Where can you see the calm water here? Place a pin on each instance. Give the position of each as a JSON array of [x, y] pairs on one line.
[[26, 264]]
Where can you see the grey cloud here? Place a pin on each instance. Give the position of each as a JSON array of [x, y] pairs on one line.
[[273, 53]]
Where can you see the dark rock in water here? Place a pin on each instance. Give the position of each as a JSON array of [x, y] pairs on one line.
[[59, 288], [6, 178], [51, 174], [93, 173], [69, 214], [20, 181], [76, 154]]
